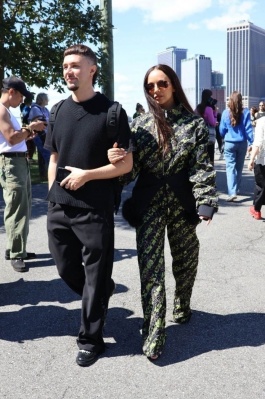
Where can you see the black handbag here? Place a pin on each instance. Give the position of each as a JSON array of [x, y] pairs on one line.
[[130, 212]]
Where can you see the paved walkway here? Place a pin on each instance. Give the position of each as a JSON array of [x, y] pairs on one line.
[[220, 354]]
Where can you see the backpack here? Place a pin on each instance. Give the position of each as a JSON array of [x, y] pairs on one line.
[[112, 124], [25, 110]]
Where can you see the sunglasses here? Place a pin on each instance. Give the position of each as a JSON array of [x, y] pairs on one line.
[[161, 84]]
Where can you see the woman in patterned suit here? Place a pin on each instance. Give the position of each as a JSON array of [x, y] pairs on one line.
[[175, 190]]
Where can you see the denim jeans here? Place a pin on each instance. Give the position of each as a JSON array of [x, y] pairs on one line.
[[234, 154], [45, 153]]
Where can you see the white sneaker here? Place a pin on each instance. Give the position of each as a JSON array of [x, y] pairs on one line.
[[231, 198]]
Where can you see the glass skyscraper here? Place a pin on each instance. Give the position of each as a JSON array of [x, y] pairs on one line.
[[246, 62], [172, 57], [195, 77]]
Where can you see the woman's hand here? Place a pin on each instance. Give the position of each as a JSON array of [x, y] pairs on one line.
[[116, 154], [251, 165]]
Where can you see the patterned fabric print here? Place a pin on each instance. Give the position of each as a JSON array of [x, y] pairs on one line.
[[188, 149], [164, 211], [184, 246]]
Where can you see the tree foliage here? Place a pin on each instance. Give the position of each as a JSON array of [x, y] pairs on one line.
[[34, 34]]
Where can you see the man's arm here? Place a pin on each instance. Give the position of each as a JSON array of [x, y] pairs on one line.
[[13, 136], [52, 168], [79, 177]]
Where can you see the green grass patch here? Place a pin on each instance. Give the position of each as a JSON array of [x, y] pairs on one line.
[[34, 171]]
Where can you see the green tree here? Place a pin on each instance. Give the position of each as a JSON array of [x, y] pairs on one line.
[[34, 34]]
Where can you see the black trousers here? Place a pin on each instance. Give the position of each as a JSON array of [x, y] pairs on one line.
[[219, 140], [210, 150], [259, 191], [81, 242]]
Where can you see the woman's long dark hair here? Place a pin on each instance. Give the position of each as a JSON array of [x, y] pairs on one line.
[[163, 128], [206, 95], [236, 107]]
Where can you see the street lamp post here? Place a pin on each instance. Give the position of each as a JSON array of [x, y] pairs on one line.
[[107, 49]]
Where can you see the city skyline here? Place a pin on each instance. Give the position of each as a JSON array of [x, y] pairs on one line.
[[143, 28], [198, 26], [246, 62]]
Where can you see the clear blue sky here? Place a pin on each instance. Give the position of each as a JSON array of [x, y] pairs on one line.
[[143, 28]]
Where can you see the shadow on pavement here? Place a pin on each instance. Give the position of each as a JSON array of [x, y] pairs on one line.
[[124, 253], [208, 332], [22, 292]]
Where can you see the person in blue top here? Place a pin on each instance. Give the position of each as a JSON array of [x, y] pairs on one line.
[[39, 111], [237, 132]]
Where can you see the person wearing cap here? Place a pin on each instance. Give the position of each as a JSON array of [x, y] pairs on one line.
[[14, 171]]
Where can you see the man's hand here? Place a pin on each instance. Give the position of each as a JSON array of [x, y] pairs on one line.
[[38, 125], [76, 179]]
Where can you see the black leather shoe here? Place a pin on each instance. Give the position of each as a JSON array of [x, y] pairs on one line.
[[86, 358], [19, 265], [30, 255]]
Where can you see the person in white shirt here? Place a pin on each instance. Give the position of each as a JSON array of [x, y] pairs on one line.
[[257, 162], [14, 172]]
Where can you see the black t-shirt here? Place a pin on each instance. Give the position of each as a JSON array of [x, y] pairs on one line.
[[80, 138], [260, 114]]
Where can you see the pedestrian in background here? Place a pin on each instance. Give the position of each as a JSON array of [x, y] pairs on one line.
[[81, 206], [15, 173], [261, 111], [257, 162], [219, 138], [25, 108], [139, 110], [236, 130], [207, 110], [253, 112], [175, 189], [40, 111]]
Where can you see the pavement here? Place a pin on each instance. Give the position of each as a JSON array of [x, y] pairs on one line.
[[220, 354]]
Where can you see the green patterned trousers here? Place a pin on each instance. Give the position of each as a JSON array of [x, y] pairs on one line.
[[165, 212]]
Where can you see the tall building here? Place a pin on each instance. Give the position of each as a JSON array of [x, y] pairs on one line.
[[218, 90], [172, 57], [217, 79], [195, 77], [219, 95], [246, 62]]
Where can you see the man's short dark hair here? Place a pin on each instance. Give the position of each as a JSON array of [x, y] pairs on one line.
[[82, 49]]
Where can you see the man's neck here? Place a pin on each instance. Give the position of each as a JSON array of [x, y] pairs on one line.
[[5, 102], [80, 96]]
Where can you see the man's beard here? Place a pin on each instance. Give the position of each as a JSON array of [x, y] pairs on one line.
[[72, 87]]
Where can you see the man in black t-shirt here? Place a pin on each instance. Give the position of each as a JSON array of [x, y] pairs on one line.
[[81, 196]]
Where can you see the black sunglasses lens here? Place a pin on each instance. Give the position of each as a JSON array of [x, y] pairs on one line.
[[149, 86], [161, 84]]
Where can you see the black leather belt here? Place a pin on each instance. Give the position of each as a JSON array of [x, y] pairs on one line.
[[14, 154]]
